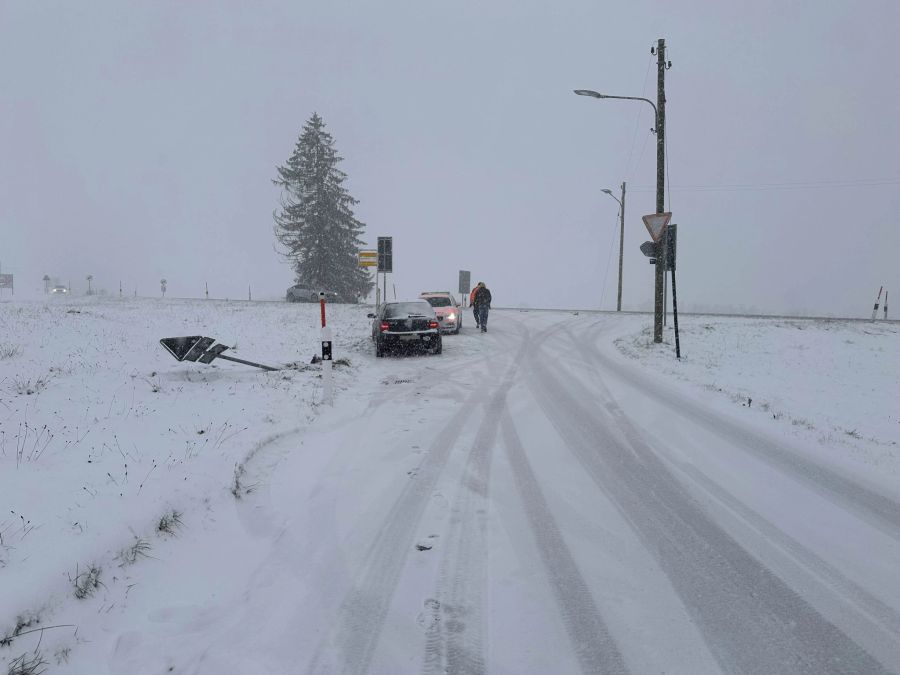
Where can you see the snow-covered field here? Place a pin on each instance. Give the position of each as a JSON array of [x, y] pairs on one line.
[[112, 453], [837, 381], [158, 516]]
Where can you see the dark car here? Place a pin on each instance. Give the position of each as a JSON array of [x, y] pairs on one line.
[[406, 324], [300, 293]]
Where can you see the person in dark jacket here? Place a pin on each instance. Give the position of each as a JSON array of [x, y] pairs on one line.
[[482, 305]]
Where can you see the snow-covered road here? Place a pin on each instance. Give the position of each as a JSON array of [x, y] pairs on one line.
[[530, 501]]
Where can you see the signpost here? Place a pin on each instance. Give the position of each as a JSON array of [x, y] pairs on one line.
[[671, 245], [385, 254], [385, 262], [671, 239], [465, 284], [327, 385]]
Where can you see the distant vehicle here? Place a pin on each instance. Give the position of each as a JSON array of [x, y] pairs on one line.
[[306, 294], [59, 290], [447, 309], [406, 324]]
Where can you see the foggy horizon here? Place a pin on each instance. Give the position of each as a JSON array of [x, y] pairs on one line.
[[140, 143]]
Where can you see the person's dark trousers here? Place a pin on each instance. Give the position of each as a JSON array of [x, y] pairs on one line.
[[476, 313], [483, 317]]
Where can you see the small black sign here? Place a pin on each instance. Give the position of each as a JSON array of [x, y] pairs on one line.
[[326, 350], [386, 254], [671, 244]]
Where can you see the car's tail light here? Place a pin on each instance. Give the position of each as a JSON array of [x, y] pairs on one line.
[[385, 326], [432, 324]]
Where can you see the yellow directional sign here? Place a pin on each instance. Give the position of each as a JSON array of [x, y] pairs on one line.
[[367, 258]]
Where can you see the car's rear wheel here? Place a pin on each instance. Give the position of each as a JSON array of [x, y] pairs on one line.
[[439, 347], [379, 348]]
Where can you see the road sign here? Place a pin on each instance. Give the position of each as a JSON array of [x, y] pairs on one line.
[[465, 281], [386, 254], [648, 248], [367, 258], [197, 348], [656, 224], [671, 243]]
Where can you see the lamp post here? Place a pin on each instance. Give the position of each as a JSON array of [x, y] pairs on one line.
[[659, 114], [621, 239]]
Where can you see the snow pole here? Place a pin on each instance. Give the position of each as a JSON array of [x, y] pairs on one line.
[[877, 300], [885, 305], [327, 384]]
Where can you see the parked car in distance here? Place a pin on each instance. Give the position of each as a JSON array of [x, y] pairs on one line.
[[306, 294], [59, 290], [406, 324], [448, 311]]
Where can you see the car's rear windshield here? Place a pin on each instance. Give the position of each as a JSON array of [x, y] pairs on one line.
[[398, 309], [439, 301]]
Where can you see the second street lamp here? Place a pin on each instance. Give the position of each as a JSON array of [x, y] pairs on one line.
[[621, 239]]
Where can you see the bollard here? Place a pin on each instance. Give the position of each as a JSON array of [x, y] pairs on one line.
[[327, 384]]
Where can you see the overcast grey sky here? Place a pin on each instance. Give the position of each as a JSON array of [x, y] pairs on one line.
[[139, 140]]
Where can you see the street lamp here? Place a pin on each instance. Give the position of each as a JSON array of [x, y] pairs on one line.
[[621, 239], [659, 117]]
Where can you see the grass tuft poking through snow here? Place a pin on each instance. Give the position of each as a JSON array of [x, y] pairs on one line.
[[28, 664], [131, 554], [87, 582], [8, 351], [170, 523]]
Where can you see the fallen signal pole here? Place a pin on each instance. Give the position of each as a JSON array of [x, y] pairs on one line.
[[203, 350]]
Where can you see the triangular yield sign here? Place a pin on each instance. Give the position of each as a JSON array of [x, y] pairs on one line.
[[180, 346], [656, 224]]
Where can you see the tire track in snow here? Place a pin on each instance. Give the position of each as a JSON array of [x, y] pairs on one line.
[[751, 620], [597, 652], [455, 640], [882, 622], [351, 642], [873, 506]]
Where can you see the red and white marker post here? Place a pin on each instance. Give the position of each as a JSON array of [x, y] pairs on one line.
[[327, 384]]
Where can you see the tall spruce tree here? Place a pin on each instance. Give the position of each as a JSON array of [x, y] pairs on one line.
[[316, 225]]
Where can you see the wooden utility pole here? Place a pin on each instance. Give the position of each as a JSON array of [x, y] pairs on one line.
[[660, 186], [621, 246]]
